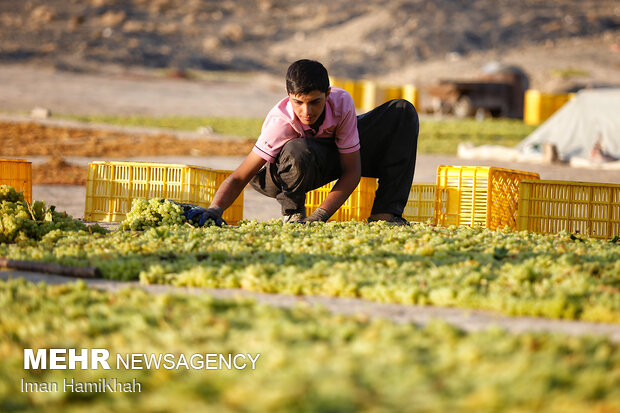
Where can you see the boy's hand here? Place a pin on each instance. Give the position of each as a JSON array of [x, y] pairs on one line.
[[199, 215], [212, 214], [319, 214]]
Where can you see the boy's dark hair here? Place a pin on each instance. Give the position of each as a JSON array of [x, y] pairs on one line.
[[304, 76]]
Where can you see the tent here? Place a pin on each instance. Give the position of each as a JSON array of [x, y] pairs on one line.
[[592, 116]]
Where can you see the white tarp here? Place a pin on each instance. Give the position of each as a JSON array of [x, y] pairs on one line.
[[591, 116]]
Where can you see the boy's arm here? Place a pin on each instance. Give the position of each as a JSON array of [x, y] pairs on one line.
[[234, 184], [351, 172]]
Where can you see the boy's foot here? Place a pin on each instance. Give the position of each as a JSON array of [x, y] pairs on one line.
[[389, 218], [296, 217]]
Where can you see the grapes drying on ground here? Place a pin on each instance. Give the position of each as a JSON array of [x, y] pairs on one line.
[[518, 273], [309, 361]]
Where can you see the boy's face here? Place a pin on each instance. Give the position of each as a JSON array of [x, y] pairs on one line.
[[309, 107]]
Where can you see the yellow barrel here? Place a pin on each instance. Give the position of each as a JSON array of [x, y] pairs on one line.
[[392, 92], [410, 93], [368, 95], [337, 82], [540, 106], [532, 111]]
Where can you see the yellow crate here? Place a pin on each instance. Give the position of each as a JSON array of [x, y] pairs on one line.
[[356, 208], [18, 174], [478, 195], [421, 203], [587, 208], [112, 186]]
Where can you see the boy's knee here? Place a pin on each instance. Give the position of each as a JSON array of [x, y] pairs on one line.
[[406, 107], [294, 152], [408, 113], [295, 146]]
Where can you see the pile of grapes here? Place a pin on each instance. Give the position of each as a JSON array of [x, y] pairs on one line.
[[21, 221], [310, 360], [154, 212]]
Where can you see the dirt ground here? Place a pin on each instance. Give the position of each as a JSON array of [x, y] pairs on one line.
[[113, 90], [58, 143]]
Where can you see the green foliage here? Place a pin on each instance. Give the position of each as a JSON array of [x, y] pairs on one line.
[[241, 127], [568, 73], [443, 136], [310, 361]]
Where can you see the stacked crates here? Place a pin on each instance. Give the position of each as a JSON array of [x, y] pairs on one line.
[[478, 195], [462, 195]]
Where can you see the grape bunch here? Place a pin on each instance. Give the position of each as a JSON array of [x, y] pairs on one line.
[[9, 194], [21, 221], [154, 212]]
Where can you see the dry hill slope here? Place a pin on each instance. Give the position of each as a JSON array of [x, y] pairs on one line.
[[371, 38]]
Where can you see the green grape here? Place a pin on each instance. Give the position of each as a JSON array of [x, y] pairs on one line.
[[9, 194], [20, 221], [152, 213]]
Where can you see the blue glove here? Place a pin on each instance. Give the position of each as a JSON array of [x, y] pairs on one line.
[[199, 216], [213, 214]]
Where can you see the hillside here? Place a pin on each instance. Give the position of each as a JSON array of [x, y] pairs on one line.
[[399, 40]]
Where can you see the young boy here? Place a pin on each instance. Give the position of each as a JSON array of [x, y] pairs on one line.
[[313, 137]]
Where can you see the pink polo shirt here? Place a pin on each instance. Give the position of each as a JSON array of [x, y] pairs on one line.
[[282, 125]]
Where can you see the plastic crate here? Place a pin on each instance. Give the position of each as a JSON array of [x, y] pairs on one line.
[[421, 203], [18, 174], [356, 208], [587, 208], [478, 195], [112, 186]]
